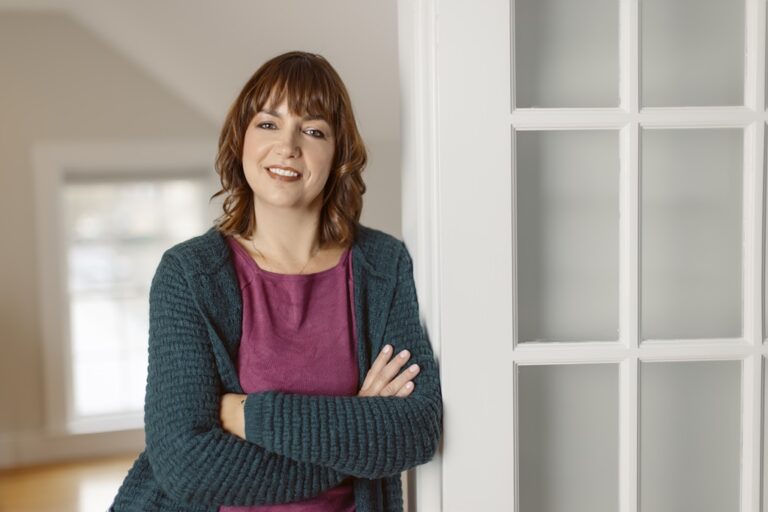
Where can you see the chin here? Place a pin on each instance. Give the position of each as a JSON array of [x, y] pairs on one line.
[[279, 202]]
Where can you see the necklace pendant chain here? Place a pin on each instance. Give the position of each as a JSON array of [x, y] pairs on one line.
[[314, 253]]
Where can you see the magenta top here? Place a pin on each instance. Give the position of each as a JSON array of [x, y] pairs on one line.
[[298, 336]]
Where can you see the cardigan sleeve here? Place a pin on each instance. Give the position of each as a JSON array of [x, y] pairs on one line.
[[193, 459], [368, 437]]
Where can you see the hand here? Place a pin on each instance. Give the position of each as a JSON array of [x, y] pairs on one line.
[[232, 414], [382, 379]]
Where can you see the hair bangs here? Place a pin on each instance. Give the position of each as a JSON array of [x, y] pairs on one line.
[[307, 91]]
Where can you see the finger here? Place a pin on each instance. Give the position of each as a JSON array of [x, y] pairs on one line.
[[397, 384], [378, 365], [393, 367], [405, 390], [389, 372]]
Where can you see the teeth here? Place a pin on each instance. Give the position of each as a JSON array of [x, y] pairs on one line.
[[283, 172]]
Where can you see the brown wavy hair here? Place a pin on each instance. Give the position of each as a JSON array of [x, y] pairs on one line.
[[312, 87]]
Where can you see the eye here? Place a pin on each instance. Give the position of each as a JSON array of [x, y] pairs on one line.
[[316, 133], [265, 125]]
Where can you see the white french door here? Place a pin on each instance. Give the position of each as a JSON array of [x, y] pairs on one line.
[[584, 194]]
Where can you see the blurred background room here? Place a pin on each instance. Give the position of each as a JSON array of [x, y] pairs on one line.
[[109, 120]]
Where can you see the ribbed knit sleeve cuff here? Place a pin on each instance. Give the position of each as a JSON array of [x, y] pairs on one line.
[[259, 411]]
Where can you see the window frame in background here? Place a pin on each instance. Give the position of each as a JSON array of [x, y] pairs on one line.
[[54, 163]]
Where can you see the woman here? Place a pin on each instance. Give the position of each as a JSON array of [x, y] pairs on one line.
[[272, 384]]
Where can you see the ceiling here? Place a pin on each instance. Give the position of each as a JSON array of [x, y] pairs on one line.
[[205, 51]]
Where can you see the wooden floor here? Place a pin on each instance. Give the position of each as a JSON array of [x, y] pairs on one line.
[[86, 486]]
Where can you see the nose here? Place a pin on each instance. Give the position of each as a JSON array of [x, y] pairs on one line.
[[287, 144]]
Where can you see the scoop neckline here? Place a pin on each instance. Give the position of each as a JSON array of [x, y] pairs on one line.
[[254, 264]]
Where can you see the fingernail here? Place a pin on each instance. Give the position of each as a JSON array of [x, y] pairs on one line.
[[409, 385], [387, 348], [413, 368], [404, 354]]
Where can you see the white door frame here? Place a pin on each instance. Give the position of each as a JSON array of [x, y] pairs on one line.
[[416, 26], [442, 145]]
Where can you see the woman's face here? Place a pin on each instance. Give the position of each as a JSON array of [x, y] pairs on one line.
[[287, 158]]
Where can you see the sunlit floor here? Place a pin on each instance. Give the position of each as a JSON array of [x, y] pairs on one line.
[[87, 486]]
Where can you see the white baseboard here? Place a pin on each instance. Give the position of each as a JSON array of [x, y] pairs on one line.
[[26, 448]]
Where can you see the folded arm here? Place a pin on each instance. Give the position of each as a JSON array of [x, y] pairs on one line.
[[368, 437], [192, 457]]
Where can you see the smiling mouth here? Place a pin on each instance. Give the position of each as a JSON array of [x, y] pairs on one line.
[[283, 174]]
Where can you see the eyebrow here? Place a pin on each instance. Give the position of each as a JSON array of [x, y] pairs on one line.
[[305, 118]]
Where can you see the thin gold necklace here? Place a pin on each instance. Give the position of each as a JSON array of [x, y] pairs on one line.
[[316, 250]]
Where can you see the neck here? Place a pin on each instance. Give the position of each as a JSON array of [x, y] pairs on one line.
[[287, 234]]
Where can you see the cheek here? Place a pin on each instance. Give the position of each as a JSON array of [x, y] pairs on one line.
[[327, 162], [328, 157], [250, 167], [249, 150], [251, 162], [250, 177], [254, 145]]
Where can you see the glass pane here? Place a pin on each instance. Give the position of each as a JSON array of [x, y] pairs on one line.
[[690, 263], [690, 436], [116, 233], [568, 438], [567, 235], [109, 348], [692, 52], [560, 63]]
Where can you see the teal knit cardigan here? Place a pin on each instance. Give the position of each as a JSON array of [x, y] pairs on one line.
[[296, 445]]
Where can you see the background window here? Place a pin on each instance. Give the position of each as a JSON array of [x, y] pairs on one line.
[[116, 230]]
